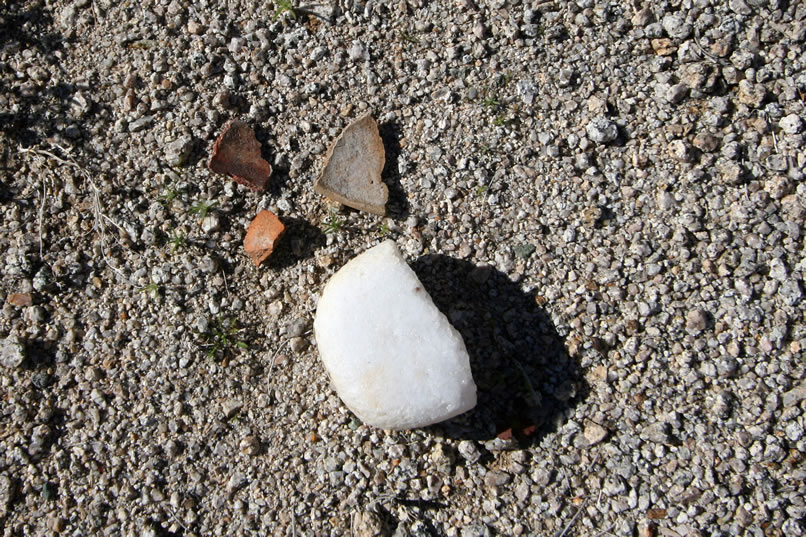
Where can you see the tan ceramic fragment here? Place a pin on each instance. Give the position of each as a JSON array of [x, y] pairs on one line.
[[262, 236], [237, 154], [353, 166]]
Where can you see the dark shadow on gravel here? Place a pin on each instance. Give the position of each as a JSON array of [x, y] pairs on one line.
[[39, 112], [398, 205], [279, 172], [26, 26], [300, 241], [526, 380]]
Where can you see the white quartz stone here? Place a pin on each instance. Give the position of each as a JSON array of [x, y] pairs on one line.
[[393, 357]]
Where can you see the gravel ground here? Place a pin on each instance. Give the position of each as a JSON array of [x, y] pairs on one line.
[[607, 200]]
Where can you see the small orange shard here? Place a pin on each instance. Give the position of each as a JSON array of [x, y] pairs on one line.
[[262, 236], [20, 299]]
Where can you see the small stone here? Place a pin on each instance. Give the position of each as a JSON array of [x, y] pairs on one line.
[[666, 200], [676, 26], [195, 28], [778, 186], [353, 166], [12, 352], [297, 327], [794, 396], [663, 46], [706, 142], [527, 91], [730, 171], [210, 223], [740, 7], [230, 407], [262, 236], [642, 17], [677, 93], [601, 130], [594, 433], [657, 432], [358, 52], [237, 154], [140, 124], [696, 321], [497, 478], [751, 94], [469, 451], [20, 299], [392, 356], [790, 291], [680, 150], [55, 523], [791, 124], [178, 151], [249, 445], [298, 344], [6, 494], [368, 524]]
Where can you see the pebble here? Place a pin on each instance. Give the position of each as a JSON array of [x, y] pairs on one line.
[[696, 321], [676, 26], [230, 407], [141, 124], [469, 451], [601, 130], [368, 524], [178, 151], [677, 93], [358, 52], [594, 433], [249, 445], [12, 352], [6, 494], [210, 223], [527, 91], [680, 150], [751, 94], [791, 124], [657, 432]]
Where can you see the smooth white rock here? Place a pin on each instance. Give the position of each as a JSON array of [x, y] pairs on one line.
[[393, 357]]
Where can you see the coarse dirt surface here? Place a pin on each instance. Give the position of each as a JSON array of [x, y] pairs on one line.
[[605, 198]]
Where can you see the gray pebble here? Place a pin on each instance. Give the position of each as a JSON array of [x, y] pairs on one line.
[[677, 93], [791, 124], [696, 321], [297, 327], [12, 352], [601, 130], [657, 432], [676, 26], [468, 450]]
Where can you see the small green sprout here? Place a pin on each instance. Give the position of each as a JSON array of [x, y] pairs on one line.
[[333, 223], [153, 288], [168, 196], [383, 229], [285, 7], [202, 208], [408, 38], [177, 241], [500, 120], [490, 102], [480, 190], [221, 340]]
